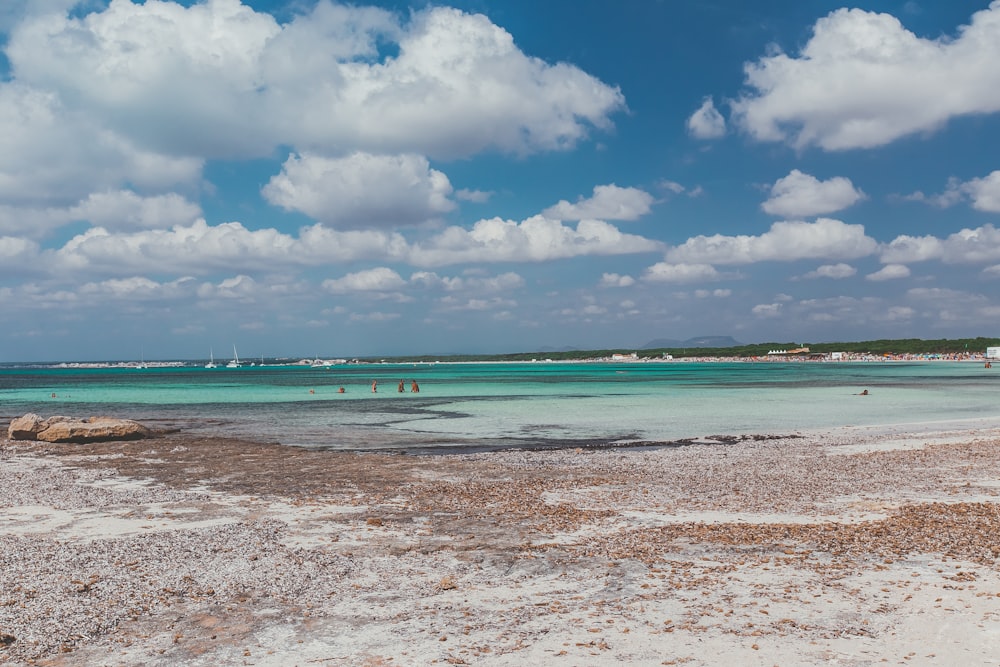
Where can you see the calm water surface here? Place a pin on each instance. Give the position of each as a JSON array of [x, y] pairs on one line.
[[503, 405]]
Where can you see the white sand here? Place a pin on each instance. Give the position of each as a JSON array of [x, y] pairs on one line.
[[516, 559]]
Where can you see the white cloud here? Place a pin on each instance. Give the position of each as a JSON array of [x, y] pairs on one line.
[[221, 80], [889, 272], [609, 202], [474, 196], [897, 313], [985, 192], [966, 246], [835, 271], [799, 195], [139, 288], [241, 287], [907, 249], [200, 248], [665, 272], [124, 209], [767, 310], [863, 80], [717, 293], [785, 241], [707, 122], [361, 189], [676, 188], [17, 254], [51, 155], [616, 280], [536, 239], [492, 304], [379, 279], [475, 283]]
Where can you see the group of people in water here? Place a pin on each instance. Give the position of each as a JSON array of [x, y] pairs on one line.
[[414, 387]]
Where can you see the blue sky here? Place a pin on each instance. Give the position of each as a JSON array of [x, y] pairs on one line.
[[303, 178]]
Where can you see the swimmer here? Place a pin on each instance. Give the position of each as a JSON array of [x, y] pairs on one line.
[[374, 386], [340, 391], [414, 388], [312, 391], [864, 393], [400, 387]]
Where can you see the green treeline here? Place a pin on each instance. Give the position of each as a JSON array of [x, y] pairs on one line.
[[876, 347]]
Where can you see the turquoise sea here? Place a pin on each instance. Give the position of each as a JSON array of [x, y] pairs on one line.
[[462, 407]]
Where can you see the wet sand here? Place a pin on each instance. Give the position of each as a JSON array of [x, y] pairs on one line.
[[847, 547]]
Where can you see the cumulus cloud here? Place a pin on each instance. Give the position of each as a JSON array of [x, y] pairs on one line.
[[51, 155], [966, 246], [380, 279], [985, 192], [889, 272], [665, 272], [200, 248], [616, 280], [863, 80], [498, 283], [534, 240], [835, 271], [906, 249], [17, 254], [215, 79], [784, 242], [124, 209], [800, 195], [139, 288], [707, 122], [609, 202], [361, 189]]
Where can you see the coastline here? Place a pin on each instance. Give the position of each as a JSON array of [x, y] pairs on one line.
[[850, 547]]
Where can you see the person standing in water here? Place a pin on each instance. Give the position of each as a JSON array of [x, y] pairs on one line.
[[413, 387], [374, 386], [400, 387]]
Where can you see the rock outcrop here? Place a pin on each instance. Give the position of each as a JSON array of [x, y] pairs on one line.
[[71, 429]]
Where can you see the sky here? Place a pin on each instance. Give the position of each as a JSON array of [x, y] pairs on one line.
[[307, 178]]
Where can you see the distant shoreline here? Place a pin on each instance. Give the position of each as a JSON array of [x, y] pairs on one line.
[[772, 358]]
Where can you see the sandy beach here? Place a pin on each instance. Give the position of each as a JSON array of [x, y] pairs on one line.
[[847, 547]]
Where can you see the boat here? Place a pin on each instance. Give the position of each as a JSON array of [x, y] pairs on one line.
[[211, 360], [235, 362], [142, 361]]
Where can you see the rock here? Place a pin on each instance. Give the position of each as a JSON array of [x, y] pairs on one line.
[[70, 429], [26, 427]]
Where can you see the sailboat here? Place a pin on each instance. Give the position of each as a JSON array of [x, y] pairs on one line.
[[235, 362], [211, 360], [142, 361]]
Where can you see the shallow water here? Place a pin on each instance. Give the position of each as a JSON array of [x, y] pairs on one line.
[[516, 404]]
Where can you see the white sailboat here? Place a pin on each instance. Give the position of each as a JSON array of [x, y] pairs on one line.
[[211, 359], [235, 362]]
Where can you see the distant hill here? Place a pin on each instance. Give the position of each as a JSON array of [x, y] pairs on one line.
[[700, 341]]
